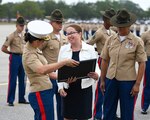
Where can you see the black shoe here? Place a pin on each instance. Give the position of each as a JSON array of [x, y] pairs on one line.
[[143, 112], [10, 104], [23, 102], [117, 118]]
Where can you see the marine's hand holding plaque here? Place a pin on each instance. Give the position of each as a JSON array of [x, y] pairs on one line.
[[71, 63]]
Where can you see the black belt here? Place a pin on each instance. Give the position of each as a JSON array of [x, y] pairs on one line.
[[20, 54]]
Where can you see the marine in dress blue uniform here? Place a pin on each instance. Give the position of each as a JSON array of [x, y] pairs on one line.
[[51, 49], [119, 80], [99, 38], [15, 42], [145, 101]]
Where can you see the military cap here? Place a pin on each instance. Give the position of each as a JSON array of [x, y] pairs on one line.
[[39, 29], [108, 13], [123, 18], [56, 15], [20, 21]]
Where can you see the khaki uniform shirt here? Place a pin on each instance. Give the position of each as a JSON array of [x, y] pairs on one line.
[[132, 27], [86, 27], [51, 48], [94, 27], [145, 28], [122, 56], [115, 29], [15, 42], [32, 59], [146, 38], [100, 37], [138, 27]]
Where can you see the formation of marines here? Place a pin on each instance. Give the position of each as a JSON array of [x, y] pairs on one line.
[[118, 42]]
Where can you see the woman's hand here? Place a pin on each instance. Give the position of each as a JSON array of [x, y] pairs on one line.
[[62, 93], [71, 63], [93, 75], [71, 80]]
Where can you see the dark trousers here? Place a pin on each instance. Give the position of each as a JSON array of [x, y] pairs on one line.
[[146, 87], [93, 32], [119, 90], [86, 34], [138, 33], [58, 100], [42, 104], [98, 98], [16, 70]]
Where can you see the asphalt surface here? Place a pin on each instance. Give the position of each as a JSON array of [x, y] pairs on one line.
[[24, 112]]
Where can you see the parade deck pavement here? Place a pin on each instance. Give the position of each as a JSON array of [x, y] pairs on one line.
[[24, 112]]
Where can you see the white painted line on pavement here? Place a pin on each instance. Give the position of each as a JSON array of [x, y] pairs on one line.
[[2, 84]]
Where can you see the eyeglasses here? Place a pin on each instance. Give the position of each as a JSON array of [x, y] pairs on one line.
[[71, 33]]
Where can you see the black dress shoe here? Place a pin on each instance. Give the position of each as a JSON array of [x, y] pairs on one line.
[[23, 102], [117, 118], [143, 112], [10, 104]]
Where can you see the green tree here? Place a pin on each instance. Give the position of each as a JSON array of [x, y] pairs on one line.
[[64, 8], [102, 6], [3, 13], [9, 11], [82, 11], [134, 8], [29, 10], [147, 14], [48, 6]]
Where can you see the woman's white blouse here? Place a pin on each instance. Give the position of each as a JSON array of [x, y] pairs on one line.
[[87, 52]]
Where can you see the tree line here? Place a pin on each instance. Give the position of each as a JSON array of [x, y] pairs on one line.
[[81, 10]]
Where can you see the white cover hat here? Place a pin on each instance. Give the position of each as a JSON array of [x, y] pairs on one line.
[[39, 29]]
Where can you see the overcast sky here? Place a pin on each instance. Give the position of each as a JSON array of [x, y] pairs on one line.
[[144, 4]]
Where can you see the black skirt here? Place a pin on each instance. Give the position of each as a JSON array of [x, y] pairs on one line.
[[78, 102]]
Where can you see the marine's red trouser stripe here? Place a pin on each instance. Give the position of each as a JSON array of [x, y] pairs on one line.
[[99, 62], [144, 84], [96, 92], [41, 106], [96, 98], [134, 107], [10, 62]]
